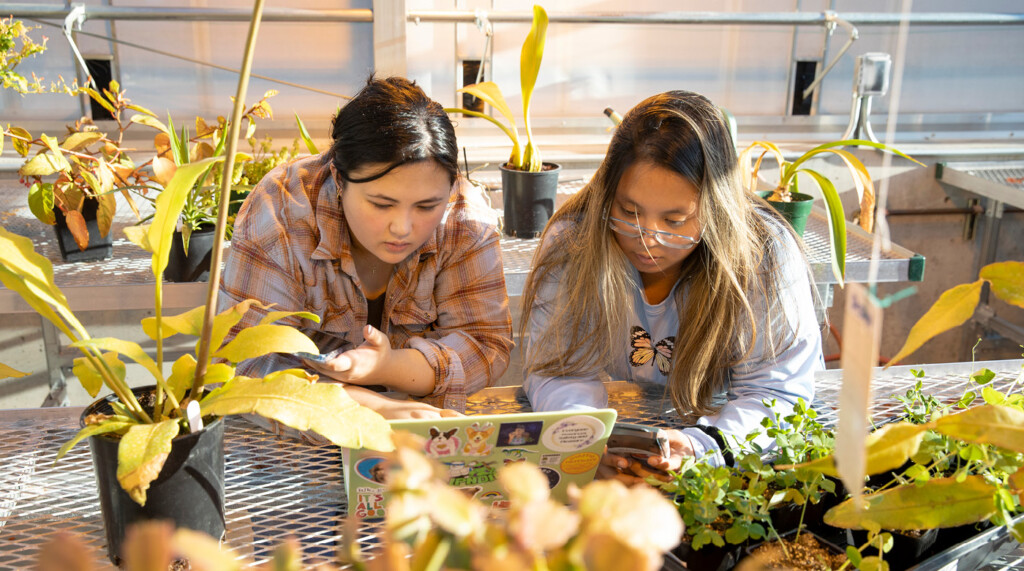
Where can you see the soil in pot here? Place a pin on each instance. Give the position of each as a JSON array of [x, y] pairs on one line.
[[708, 557], [189, 490], [99, 247], [795, 212], [806, 552]]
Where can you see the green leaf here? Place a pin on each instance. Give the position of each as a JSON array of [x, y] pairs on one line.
[[91, 379], [873, 563], [837, 224], [324, 408], [22, 140], [1006, 280], [140, 109], [310, 146], [168, 208], [40, 202], [993, 396], [936, 503], [954, 307], [260, 340], [115, 424], [149, 121], [43, 164], [982, 376], [141, 455], [987, 424], [529, 69]]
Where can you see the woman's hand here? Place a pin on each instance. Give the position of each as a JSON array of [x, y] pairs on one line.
[[394, 409], [359, 366], [633, 470]]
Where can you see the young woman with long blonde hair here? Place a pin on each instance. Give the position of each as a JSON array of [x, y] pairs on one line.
[[664, 269]]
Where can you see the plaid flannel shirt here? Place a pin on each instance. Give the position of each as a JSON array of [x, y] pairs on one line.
[[291, 247]]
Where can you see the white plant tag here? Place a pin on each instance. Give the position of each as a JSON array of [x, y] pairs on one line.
[[195, 420], [862, 331]]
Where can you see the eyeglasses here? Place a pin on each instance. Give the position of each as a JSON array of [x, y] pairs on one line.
[[668, 239]]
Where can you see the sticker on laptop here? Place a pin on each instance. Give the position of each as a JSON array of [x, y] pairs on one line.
[[553, 476], [372, 468], [520, 433], [580, 462], [442, 443], [369, 504], [573, 433], [476, 439]]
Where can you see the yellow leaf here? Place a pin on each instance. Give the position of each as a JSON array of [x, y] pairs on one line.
[[1006, 280], [168, 208], [955, 306], [105, 213], [76, 141], [7, 372], [91, 379], [1001, 426], [129, 349], [886, 448], [139, 235], [78, 228], [40, 202], [324, 408], [141, 455], [149, 121], [163, 169], [42, 164], [263, 339], [115, 424], [228, 318], [188, 323], [22, 140], [941, 502]]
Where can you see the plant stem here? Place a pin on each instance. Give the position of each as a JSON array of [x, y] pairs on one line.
[[225, 194]]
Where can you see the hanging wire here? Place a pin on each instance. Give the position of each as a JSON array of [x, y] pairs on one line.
[[195, 61]]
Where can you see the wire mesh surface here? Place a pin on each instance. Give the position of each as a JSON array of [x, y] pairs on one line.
[[276, 487], [1000, 180]]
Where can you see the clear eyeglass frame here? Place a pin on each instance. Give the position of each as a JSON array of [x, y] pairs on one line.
[[667, 239]]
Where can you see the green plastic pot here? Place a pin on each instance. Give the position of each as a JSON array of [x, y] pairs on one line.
[[795, 212]]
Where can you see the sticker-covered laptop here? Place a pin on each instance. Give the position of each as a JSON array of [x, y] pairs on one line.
[[566, 445]]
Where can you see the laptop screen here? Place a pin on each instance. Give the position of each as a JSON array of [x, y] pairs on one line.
[[566, 445]]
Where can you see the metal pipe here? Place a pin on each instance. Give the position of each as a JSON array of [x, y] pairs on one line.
[[725, 18], [185, 14], [976, 209]]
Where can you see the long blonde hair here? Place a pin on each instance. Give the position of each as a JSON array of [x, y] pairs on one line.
[[686, 133]]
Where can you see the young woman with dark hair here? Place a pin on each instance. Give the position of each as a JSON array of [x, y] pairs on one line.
[[664, 269], [398, 257]]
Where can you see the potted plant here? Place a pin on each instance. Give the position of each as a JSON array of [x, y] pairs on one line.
[[179, 408], [73, 181], [796, 206], [528, 184]]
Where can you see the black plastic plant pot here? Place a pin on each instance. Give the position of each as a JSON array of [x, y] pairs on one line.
[[99, 247], [193, 265], [908, 548], [529, 199], [708, 557], [189, 490], [795, 212]]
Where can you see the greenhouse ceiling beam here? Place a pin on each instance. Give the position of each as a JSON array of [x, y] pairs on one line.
[[727, 18], [184, 14]]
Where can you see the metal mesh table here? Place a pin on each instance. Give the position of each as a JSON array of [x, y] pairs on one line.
[[276, 488]]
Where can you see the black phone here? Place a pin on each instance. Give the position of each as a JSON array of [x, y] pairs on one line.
[[636, 439]]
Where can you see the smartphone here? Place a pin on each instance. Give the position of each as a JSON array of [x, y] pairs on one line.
[[315, 358], [629, 439]]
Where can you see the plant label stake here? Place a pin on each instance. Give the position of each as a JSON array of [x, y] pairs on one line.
[[862, 331], [195, 419]]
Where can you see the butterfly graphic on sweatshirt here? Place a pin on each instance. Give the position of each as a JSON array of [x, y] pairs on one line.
[[644, 351]]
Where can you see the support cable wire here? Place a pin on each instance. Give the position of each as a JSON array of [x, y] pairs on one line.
[[188, 59]]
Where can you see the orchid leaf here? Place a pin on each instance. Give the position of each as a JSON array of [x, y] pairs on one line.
[[168, 208], [8, 372], [1000, 426], [260, 340], [837, 224], [93, 380], [141, 455], [115, 424], [324, 408], [1006, 280], [304, 134], [529, 69], [942, 502], [954, 307]]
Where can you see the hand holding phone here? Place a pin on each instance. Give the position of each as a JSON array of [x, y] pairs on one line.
[[636, 443]]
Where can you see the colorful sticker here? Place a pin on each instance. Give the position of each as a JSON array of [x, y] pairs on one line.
[[471, 491], [442, 443], [580, 463], [550, 459], [479, 473], [573, 433], [369, 504], [516, 454], [372, 469], [456, 469], [520, 433], [476, 439], [553, 476]]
